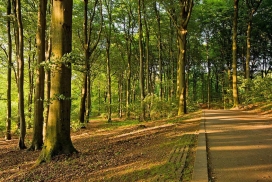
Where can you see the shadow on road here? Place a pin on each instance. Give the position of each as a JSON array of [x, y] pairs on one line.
[[239, 146]]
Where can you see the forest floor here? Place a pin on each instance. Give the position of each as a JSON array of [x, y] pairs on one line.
[[120, 151]]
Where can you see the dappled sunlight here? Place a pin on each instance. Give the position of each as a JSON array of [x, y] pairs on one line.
[[240, 148], [239, 143], [120, 172]]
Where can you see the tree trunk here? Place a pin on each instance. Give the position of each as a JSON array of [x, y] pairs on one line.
[[186, 10], [249, 24], [37, 140], [31, 84], [234, 55], [252, 8], [141, 71], [159, 48], [82, 109], [108, 63], [20, 60], [58, 140], [47, 81], [129, 53], [181, 85], [109, 80], [9, 54], [89, 49], [120, 95]]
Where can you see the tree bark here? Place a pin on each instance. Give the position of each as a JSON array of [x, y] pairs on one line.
[[141, 71], [186, 10], [58, 140], [252, 8], [9, 54], [234, 56], [181, 85], [31, 84], [108, 62], [89, 49], [37, 140], [159, 48], [20, 60], [129, 53]]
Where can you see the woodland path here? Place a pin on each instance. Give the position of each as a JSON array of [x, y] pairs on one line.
[[239, 146]]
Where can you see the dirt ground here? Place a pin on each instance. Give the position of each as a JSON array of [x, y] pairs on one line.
[[126, 153]]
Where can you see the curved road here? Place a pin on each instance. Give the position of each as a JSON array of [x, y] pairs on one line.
[[239, 146]]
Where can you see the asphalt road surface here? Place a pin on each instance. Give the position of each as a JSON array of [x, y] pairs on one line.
[[239, 146]]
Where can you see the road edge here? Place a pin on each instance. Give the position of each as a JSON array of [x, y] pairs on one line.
[[200, 173]]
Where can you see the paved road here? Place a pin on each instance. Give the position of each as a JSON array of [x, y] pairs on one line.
[[239, 145]]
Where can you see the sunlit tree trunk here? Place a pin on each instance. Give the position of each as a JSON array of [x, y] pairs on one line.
[[37, 140], [58, 140], [186, 10], [9, 54], [47, 81], [181, 85], [234, 55]]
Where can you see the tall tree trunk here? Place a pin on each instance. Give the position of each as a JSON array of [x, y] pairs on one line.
[[129, 53], [173, 57], [181, 85], [109, 99], [9, 54], [147, 62], [58, 139], [37, 140], [186, 10], [108, 46], [47, 87], [234, 55], [20, 60], [82, 109], [120, 95], [31, 84], [249, 24], [252, 6], [141, 71], [89, 49], [88, 97], [159, 48]]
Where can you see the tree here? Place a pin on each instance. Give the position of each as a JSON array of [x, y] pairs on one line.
[[89, 47], [141, 70], [185, 14], [252, 6], [9, 56], [20, 61], [37, 140], [108, 32], [58, 140], [234, 55]]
